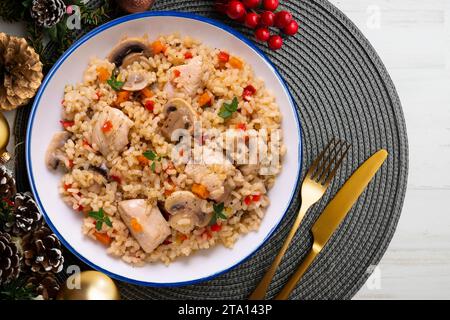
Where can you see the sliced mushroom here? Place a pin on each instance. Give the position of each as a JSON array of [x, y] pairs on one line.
[[132, 58], [127, 47], [136, 81], [186, 211], [179, 115], [54, 154]]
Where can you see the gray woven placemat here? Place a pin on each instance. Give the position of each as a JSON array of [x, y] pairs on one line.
[[342, 90]]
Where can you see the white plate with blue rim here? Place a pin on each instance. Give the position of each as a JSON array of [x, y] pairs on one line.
[[45, 121]]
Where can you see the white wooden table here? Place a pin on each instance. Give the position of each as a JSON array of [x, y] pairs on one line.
[[413, 39]]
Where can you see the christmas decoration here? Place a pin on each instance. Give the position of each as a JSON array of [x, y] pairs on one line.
[[94, 285], [9, 259], [42, 251], [134, 6], [45, 285], [25, 216], [47, 13], [4, 140], [7, 184], [21, 72], [260, 15]]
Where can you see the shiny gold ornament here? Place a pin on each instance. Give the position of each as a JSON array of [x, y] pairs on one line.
[[90, 285], [20, 72], [134, 6], [4, 139]]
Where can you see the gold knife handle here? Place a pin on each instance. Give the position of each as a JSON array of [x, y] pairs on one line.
[[261, 289], [290, 285]]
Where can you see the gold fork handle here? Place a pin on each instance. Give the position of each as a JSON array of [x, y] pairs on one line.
[[261, 289], [290, 285]]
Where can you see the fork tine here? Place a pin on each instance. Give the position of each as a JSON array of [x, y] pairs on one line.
[[326, 160], [325, 168], [336, 167], [316, 162]]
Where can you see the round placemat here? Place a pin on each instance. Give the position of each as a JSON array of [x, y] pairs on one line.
[[341, 89]]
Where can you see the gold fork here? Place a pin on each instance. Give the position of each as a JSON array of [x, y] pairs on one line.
[[316, 182]]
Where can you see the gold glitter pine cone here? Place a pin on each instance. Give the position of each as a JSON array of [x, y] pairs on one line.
[[20, 72]]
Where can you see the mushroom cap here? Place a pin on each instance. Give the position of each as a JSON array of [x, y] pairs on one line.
[[136, 81], [127, 47], [182, 202], [179, 115], [132, 58]]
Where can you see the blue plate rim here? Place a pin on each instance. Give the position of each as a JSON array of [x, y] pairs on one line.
[[93, 33]]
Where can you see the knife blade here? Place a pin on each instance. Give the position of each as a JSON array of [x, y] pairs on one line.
[[334, 213]]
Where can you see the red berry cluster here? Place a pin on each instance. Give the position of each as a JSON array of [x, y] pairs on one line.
[[260, 15]]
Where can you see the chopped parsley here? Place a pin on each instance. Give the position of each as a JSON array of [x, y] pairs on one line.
[[100, 218], [115, 84], [228, 109], [218, 213], [152, 156]]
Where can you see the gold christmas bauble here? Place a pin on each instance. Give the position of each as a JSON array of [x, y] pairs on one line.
[[4, 139], [89, 285], [134, 6]]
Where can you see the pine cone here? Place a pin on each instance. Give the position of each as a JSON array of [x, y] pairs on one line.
[[45, 285], [42, 251], [7, 184], [25, 217], [47, 13], [20, 72], [9, 259]]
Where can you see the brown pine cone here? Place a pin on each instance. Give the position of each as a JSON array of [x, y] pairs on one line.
[[9, 259], [45, 285], [7, 184], [42, 251], [25, 217]]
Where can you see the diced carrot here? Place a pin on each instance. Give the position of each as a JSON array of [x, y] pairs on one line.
[[147, 93], [67, 124], [158, 47], [168, 192], [143, 160], [181, 238], [216, 227], [200, 190], [70, 163], [223, 57], [241, 126], [176, 73], [107, 126], [98, 94], [204, 100], [103, 74], [236, 63], [103, 238], [135, 225], [122, 96], [188, 55], [67, 186]]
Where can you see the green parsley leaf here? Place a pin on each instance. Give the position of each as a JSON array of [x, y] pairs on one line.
[[218, 213], [115, 84], [100, 218], [227, 109], [153, 166], [150, 155]]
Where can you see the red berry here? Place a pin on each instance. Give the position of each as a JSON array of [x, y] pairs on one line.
[[267, 18], [291, 28], [236, 10], [282, 19], [275, 42], [262, 34], [251, 4], [252, 20], [270, 5]]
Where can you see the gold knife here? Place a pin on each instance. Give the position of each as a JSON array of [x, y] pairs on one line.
[[334, 213]]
